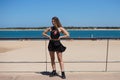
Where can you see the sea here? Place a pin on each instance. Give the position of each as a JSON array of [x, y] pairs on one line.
[[77, 34]]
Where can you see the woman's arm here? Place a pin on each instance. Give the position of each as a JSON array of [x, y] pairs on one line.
[[45, 33], [65, 32]]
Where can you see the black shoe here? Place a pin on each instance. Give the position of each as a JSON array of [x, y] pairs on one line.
[[63, 75], [53, 73]]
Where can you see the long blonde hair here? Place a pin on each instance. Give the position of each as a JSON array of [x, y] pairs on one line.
[[57, 21]]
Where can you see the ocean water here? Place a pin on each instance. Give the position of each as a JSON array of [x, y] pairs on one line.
[[73, 34]]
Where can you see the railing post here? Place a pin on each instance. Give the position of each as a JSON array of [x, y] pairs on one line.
[[107, 53], [46, 53]]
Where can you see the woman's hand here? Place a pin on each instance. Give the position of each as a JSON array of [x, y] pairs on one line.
[[59, 38], [49, 37]]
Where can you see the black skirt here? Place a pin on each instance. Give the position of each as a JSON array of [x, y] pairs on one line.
[[56, 45]]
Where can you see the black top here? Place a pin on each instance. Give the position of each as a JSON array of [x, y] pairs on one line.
[[55, 45], [54, 34]]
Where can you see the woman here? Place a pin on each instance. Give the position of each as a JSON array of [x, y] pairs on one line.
[[55, 45]]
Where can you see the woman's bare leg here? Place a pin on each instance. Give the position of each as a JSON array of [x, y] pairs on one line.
[[59, 56], [52, 56]]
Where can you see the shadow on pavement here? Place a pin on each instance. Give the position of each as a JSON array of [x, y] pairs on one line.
[[47, 73]]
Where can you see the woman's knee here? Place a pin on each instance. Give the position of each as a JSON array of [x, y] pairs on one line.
[[52, 58]]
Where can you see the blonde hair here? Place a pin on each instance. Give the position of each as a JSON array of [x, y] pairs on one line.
[[57, 21]]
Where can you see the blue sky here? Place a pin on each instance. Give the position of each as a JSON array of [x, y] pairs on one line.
[[35, 13]]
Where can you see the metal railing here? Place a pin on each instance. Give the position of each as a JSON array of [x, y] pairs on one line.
[[106, 56]]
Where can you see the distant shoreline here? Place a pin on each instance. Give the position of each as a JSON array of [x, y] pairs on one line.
[[68, 28]]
